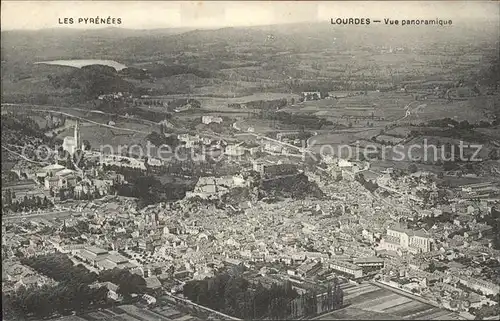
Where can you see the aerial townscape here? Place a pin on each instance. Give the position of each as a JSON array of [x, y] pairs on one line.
[[297, 170]]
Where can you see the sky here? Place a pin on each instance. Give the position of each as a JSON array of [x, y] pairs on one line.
[[215, 14]]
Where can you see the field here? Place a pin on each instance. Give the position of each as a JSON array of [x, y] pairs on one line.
[[263, 126], [96, 134], [344, 137], [99, 136], [371, 302], [493, 132], [218, 103], [390, 107], [134, 312]]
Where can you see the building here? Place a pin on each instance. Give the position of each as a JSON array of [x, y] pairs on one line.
[[96, 186], [311, 95], [73, 143], [112, 261], [190, 141], [65, 178], [149, 299], [91, 254], [369, 261], [207, 187], [308, 269], [348, 268], [112, 290], [287, 135], [235, 150], [273, 147], [17, 190], [400, 238], [485, 287], [251, 148], [51, 183], [211, 119], [50, 170], [102, 259], [274, 170]]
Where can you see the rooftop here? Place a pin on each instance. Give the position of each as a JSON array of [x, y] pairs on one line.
[[53, 167], [401, 229], [346, 265], [95, 250], [372, 259], [65, 172]]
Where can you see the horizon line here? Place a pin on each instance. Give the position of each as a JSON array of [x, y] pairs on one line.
[[193, 28], [165, 28]]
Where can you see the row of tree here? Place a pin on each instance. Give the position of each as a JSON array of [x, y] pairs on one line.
[[464, 124], [179, 103], [26, 204], [147, 102], [262, 104]]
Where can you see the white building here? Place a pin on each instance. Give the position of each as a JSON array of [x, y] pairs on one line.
[[234, 150], [50, 170], [190, 140], [311, 95], [348, 268], [211, 119], [72, 143], [405, 239], [484, 286]]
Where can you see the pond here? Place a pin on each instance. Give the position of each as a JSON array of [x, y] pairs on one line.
[[79, 63]]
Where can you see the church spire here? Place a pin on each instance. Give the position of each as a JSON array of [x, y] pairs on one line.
[[77, 136]]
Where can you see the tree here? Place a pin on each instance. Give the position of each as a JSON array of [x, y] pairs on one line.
[[412, 168], [78, 158], [62, 194], [8, 197], [86, 145]]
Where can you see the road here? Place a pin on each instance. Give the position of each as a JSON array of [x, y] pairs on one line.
[[408, 110], [405, 293], [24, 157]]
